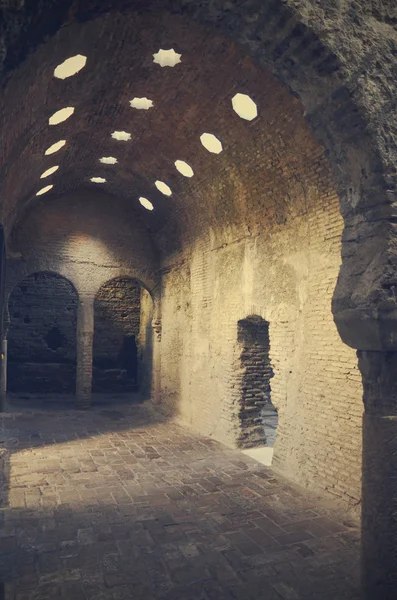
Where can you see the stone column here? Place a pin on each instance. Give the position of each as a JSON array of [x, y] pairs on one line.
[[156, 390], [3, 380], [85, 336], [379, 487]]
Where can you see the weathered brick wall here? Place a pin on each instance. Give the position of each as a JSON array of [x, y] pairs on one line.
[[316, 386], [42, 335], [279, 259], [117, 310], [89, 238]]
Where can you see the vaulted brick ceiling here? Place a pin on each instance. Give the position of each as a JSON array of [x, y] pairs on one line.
[[253, 180]]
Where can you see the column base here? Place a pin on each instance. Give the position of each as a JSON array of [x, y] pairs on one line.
[[84, 403], [379, 511]]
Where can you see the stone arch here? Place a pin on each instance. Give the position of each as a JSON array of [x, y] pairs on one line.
[[296, 42], [42, 357], [341, 63], [122, 342]]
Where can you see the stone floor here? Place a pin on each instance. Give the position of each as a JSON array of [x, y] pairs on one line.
[[116, 504]]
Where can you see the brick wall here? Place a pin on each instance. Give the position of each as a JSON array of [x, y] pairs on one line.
[[42, 335], [91, 239], [117, 310], [274, 253], [286, 276]]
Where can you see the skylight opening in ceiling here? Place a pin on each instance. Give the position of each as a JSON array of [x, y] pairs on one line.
[[167, 58], [146, 203], [141, 103], [122, 136], [163, 188], [49, 172], [211, 143], [55, 147], [184, 168], [245, 107], [70, 66], [61, 115], [44, 190], [108, 160]]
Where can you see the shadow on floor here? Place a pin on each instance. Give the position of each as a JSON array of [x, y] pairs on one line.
[[136, 507]]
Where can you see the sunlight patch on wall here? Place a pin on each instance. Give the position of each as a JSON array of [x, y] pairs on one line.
[[167, 58], [245, 107], [123, 136], [163, 188], [141, 103], [44, 190], [146, 203], [211, 143], [70, 66], [61, 115], [184, 168], [108, 160], [49, 172], [55, 147]]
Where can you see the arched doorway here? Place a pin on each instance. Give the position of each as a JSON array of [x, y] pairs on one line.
[[122, 336], [42, 335], [258, 416]]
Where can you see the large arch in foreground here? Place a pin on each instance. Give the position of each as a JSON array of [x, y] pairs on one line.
[[335, 63]]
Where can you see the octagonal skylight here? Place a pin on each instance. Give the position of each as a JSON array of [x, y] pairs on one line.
[[44, 190], [141, 103], [49, 172], [123, 136], [70, 66], [167, 58], [61, 115], [55, 147], [108, 160], [184, 168], [163, 188], [245, 107], [146, 203], [211, 143], [98, 180]]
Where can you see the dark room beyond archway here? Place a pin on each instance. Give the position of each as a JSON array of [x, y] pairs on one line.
[[42, 335], [119, 336]]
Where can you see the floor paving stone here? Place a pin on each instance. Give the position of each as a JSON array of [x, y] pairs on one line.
[[117, 503]]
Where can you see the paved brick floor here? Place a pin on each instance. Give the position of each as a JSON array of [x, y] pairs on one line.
[[116, 504]]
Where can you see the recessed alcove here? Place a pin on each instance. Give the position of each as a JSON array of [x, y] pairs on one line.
[[42, 335]]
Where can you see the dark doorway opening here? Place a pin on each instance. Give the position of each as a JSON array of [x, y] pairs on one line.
[[116, 336], [129, 357], [258, 417], [42, 335]]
